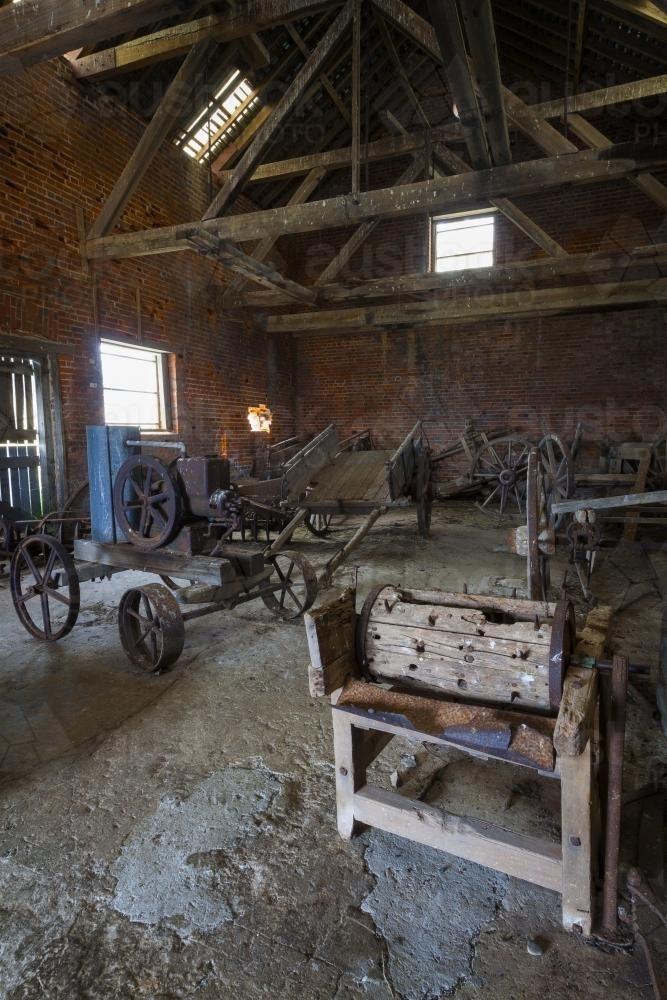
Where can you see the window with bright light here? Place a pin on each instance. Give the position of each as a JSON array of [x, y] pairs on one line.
[[135, 382], [232, 105], [460, 242]]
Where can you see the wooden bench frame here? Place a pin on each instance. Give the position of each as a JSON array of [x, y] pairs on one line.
[[361, 733]]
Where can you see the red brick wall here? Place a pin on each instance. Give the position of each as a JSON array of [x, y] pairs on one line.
[[61, 150]]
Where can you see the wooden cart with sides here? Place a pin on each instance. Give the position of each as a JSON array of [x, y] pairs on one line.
[[488, 676]]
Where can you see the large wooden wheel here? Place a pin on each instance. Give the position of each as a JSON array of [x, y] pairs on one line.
[[295, 586], [147, 502], [499, 468], [151, 627], [558, 468], [44, 587]]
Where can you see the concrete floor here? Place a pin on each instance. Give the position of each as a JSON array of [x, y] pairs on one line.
[[174, 836]]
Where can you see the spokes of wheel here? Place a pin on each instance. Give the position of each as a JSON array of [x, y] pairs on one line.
[[147, 502], [44, 587], [499, 468], [151, 627], [319, 524], [558, 468], [294, 585]]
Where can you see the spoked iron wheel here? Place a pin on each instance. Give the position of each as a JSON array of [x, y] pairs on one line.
[[44, 587], [500, 467], [151, 627], [558, 468], [146, 502], [295, 585], [319, 524]]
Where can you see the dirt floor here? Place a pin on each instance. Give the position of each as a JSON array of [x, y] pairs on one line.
[[175, 835]]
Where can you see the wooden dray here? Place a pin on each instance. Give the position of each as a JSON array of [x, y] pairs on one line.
[[489, 676]]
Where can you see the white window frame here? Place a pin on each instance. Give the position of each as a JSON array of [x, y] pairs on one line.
[[233, 104], [464, 265], [161, 392]]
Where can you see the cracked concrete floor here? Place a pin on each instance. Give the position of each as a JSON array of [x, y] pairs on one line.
[[175, 836]]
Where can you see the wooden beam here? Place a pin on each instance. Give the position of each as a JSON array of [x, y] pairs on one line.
[[449, 33], [266, 245], [481, 34], [603, 97], [31, 32], [646, 9], [324, 79], [399, 69], [442, 193], [171, 109], [475, 308], [356, 97], [244, 18], [309, 71], [335, 159], [359, 237], [644, 262], [582, 16], [236, 260], [544, 135], [647, 183]]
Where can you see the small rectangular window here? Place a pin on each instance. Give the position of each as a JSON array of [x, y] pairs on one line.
[[135, 382], [232, 106], [460, 242]]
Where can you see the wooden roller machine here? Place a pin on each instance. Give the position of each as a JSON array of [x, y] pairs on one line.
[[494, 677]]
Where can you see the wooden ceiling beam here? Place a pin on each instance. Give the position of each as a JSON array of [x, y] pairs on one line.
[[481, 34], [244, 19], [645, 9], [170, 110], [643, 262], [472, 308], [233, 258], [449, 33], [43, 29], [290, 99], [442, 193], [604, 97], [582, 16], [324, 79]]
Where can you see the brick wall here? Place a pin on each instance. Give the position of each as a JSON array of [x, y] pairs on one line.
[[62, 147]]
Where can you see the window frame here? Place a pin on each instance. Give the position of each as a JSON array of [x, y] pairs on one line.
[[491, 213], [162, 360]]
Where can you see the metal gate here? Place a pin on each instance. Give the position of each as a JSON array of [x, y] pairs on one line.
[[22, 435]]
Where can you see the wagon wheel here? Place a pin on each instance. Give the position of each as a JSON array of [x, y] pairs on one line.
[[561, 649], [37, 563], [296, 585], [151, 627], [424, 492], [78, 502], [318, 524], [558, 468], [146, 502], [7, 535], [537, 522], [500, 466]]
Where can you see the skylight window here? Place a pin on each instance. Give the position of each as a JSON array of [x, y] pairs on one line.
[[215, 125], [461, 242]]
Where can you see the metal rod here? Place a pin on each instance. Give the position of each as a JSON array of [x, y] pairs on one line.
[[174, 445], [615, 747]]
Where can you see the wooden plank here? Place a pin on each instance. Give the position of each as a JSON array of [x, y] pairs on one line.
[[451, 193], [356, 97], [582, 16], [326, 83], [31, 32], [577, 840], [330, 630], [514, 854], [632, 517], [577, 711], [198, 569], [171, 108], [521, 610], [525, 739], [290, 99], [544, 135], [610, 503]]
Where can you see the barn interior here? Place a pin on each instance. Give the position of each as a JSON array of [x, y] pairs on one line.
[[333, 463]]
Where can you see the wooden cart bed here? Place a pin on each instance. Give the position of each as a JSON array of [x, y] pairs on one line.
[[358, 479]]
